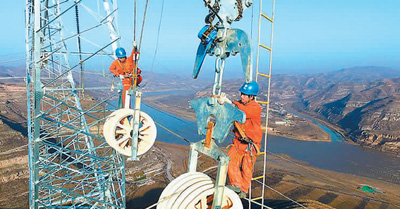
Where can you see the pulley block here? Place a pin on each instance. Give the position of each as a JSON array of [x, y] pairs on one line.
[[195, 190], [118, 131]]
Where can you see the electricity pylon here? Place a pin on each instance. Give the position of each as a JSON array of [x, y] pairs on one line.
[[71, 165]]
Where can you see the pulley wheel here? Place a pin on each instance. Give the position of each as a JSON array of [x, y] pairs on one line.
[[118, 131], [195, 190]]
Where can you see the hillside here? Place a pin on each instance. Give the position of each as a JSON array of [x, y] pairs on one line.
[[308, 185], [366, 109], [360, 102]]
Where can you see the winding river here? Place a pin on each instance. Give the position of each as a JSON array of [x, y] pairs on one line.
[[336, 155]]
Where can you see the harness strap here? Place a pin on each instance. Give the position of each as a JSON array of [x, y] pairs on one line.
[[240, 129]]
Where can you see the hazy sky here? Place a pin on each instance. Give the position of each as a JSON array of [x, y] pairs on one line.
[[310, 35]]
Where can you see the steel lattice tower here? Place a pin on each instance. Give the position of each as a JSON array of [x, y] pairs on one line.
[[71, 166]]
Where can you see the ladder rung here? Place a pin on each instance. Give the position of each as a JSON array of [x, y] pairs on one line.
[[266, 17], [259, 177], [262, 102], [265, 47], [265, 75], [261, 153], [257, 198]]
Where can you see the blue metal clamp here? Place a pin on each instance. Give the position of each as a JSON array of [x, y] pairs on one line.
[[236, 41], [224, 116], [204, 47]]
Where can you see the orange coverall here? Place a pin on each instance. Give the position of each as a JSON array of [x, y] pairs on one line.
[[117, 68], [242, 156]]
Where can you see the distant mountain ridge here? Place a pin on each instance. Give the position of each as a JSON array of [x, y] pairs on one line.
[[360, 74], [363, 101]]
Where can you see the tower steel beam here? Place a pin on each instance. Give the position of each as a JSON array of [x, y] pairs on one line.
[[70, 163]]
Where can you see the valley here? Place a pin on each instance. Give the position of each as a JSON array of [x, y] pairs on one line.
[[364, 112]]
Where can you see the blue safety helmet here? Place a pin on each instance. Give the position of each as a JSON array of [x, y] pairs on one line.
[[120, 52], [249, 88]]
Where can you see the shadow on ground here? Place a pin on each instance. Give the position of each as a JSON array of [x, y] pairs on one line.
[[148, 199], [16, 126]]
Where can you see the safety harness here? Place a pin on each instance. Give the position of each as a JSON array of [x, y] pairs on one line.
[[245, 140]]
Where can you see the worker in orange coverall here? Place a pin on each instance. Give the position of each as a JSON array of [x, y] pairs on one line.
[[243, 150], [124, 68]]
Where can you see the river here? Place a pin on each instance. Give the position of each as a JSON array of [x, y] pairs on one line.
[[336, 155]]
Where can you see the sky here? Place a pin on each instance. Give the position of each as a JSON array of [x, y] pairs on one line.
[[310, 36]]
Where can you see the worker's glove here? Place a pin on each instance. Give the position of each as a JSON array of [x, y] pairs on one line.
[[223, 99], [121, 76]]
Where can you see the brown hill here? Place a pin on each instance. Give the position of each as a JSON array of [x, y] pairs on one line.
[[375, 124], [366, 111]]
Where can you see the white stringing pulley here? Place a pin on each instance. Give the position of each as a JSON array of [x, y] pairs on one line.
[[118, 130], [191, 191]]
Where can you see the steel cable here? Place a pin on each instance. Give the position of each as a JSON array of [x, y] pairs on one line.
[[143, 23], [12, 60], [170, 131], [158, 36], [134, 20], [79, 47]]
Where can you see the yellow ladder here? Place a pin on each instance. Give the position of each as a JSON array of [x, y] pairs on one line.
[[263, 78]]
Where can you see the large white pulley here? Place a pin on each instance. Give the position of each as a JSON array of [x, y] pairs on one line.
[[118, 131], [195, 190]]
